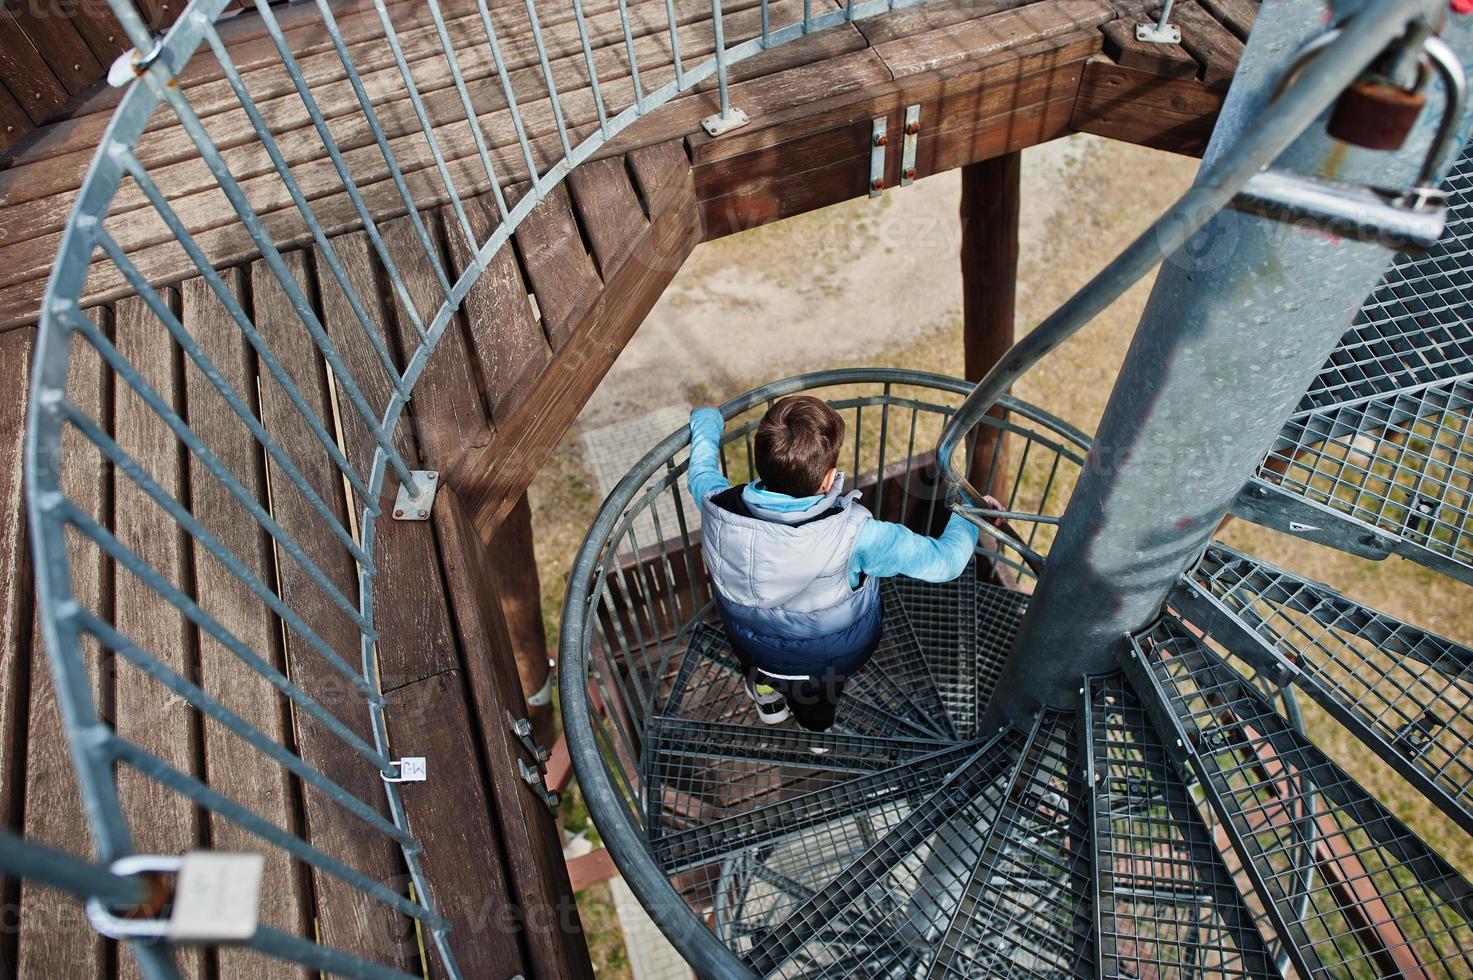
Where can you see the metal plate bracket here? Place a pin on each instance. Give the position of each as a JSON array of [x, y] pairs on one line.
[[908, 148], [877, 142], [413, 504], [715, 124]]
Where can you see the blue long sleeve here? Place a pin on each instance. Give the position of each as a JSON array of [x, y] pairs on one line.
[[885, 549], [704, 474]]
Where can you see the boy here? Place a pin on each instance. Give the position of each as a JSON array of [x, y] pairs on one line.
[[796, 562]]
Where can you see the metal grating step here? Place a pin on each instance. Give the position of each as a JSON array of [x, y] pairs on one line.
[[948, 640], [901, 660], [901, 885], [1165, 903], [775, 800], [1379, 456], [1373, 900], [1406, 693], [1026, 907], [708, 687]]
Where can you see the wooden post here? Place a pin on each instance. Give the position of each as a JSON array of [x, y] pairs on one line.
[[989, 256], [514, 563]]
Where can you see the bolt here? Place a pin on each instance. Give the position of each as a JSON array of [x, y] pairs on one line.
[[877, 184], [420, 514], [881, 139], [399, 512], [910, 173], [912, 128]]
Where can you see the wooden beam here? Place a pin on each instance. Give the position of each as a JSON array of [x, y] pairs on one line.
[[493, 478], [989, 258], [515, 568], [1174, 114]]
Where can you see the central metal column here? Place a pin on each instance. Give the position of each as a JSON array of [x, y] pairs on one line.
[[1238, 323]]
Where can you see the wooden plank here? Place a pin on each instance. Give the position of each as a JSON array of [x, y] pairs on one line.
[[1236, 15], [1146, 109], [346, 918], [610, 210], [16, 603], [66, 945], [539, 879], [161, 821], [418, 665], [26, 258], [100, 30], [661, 173], [933, 15], [25, 73], [60, 45], [1170, 60], [14, 123], [505, 340], [495, 476], [446, 409], [1209, 42], [232, 766], [975, 39], [559, 269]]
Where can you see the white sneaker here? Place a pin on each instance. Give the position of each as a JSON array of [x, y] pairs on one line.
[[772, 707]]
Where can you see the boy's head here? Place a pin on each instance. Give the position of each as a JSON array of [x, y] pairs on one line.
[[797, 445]]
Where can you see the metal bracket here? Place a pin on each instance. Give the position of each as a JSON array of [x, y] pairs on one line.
[[1160, 32], [877, 143], [533, 778], [214, 897], [908, 147], [412, 769], [522, 729], [716, 124], [414, 503]]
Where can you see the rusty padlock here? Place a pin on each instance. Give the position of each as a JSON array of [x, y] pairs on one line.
[[1376, 114]]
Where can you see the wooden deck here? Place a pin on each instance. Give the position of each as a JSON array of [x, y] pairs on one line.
[[535, 336]]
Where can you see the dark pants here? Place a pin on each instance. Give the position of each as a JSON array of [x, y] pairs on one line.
[[812, 698]]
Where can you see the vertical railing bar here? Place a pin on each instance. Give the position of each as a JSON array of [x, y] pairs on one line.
[[355, 302], [639, 584], [719, 28], [685, 542], [207, 367], [598, 96], [807, 16], [330, 143], [151, 398], [849, 10], [633, 60], [625, 699], [910, 462], [151, 577], [432, 253], [880, 465], [471, 118], [161, 772], [675, 46], [243, 322], [619, 628], [94, 434], [425, 124], [672, 596], [151, 666], [766, 26], [557, 107], [272, 256], [655, 632], [506, 88]]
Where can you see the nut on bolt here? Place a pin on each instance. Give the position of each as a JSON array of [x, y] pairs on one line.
[[910, 173], [877, 184], [881, 139], [912, 128]]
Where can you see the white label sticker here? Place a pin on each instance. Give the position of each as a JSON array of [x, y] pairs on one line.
[[412, 769], [217, 897]]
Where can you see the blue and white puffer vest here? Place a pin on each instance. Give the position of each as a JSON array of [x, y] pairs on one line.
[[782, 580]]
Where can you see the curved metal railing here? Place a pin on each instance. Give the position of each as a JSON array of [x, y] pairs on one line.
[[638, 589], [69, 534]]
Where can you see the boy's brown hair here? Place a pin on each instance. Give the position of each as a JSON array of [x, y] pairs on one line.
[[797, 444]]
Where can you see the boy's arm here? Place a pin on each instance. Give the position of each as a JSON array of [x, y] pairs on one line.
[[704, 475], [885, 549]]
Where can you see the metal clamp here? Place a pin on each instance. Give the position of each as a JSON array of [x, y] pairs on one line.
[[414, 503], [522, 729], [878, 140], [1412, 218], [908, 147], [412, 769], [533, 778]]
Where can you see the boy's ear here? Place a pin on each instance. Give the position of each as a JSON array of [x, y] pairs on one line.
[[828, 479]]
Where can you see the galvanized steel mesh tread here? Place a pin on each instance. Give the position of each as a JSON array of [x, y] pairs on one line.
[[1379, 455], [1395, 904]]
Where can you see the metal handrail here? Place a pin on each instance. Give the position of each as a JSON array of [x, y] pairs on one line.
[[1362, 39], [607, 789], [158, 64]]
